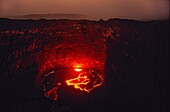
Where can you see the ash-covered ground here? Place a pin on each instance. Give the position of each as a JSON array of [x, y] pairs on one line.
[[132, 57]]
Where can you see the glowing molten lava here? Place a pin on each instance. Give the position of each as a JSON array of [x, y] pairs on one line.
[[78, 69], [86, 81]]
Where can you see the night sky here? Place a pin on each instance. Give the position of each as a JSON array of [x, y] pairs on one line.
[[96, 9]]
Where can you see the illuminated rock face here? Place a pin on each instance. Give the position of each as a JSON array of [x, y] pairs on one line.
[[76, 46]]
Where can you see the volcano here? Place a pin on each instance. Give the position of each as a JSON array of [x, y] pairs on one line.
[[82, 65]]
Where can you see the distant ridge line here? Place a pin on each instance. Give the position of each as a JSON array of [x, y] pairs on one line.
[[51, 16]]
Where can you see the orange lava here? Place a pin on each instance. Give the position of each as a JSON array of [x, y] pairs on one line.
[[85, 81]]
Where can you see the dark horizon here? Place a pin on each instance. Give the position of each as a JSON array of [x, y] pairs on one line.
[[62, 16]]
